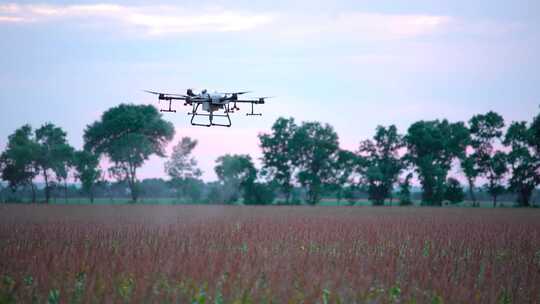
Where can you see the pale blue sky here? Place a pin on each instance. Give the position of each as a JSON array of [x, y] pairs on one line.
[[353, 64]]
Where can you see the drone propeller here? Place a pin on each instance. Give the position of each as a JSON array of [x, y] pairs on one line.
[[233, 93], [169, 94], [152, 92]]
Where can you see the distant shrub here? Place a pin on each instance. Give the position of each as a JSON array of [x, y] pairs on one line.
[[259, 194]]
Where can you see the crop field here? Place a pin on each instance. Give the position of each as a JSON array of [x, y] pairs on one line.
[[219, 254]]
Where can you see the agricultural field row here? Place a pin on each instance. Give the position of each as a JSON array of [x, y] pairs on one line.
[[230, 254]]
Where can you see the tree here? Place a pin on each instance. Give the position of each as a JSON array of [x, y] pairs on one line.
[[215, 193], [189, 189], [182, 167], [348, 167], [62, 172], [350, 193], [193, 189], [383, 162], [128, 134], [405, 191], [484, 129], [2, 200], [316, 151], [496, 168], [534, 130], [278, 154], [454, 191], [63, 167], [154, 188], [524, 159], [236, 173], [432, 146], [18, 161], [469, 165], [54, 155], [259, 194], [87, 171]]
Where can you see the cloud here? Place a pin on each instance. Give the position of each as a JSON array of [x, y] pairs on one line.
[[11, 19], [155, 20], [363, 26], [168, 20]]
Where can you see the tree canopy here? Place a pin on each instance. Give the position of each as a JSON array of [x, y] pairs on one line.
[[55, 155], [183, 171], [454, 191], [87, 171], [484, 130], [278, 154], [316, 149], [236, 174], [18, 161], [524, 159], [128, 134], [383, 162], [181, 164], [432, 146]]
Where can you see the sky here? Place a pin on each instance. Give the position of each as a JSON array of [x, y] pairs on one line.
[[352, 64]]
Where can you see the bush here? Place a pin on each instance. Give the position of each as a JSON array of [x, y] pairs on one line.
[[454, 191], [259, 194]]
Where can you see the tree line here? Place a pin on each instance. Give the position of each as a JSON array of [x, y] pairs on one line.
[[300, 161], [309, 154]]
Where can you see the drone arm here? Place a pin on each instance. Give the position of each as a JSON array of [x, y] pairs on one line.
[[255, 101], [168, 97]]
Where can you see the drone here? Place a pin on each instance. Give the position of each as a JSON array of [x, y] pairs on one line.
[[212, 104]]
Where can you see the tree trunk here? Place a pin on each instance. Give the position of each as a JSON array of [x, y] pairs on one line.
[[428, 194], [494, 201], [131, 179], [133, 184], [134, 191], [287, 191], [33, 187], [525, 197], [47, 189], [65, 191], [471, 193], [312, 196]]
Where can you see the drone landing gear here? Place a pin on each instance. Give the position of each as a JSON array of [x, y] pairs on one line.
[[170, 109], [252, 113], [210, 116]]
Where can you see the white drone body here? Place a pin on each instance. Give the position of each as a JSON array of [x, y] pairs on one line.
[[212, 104]]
